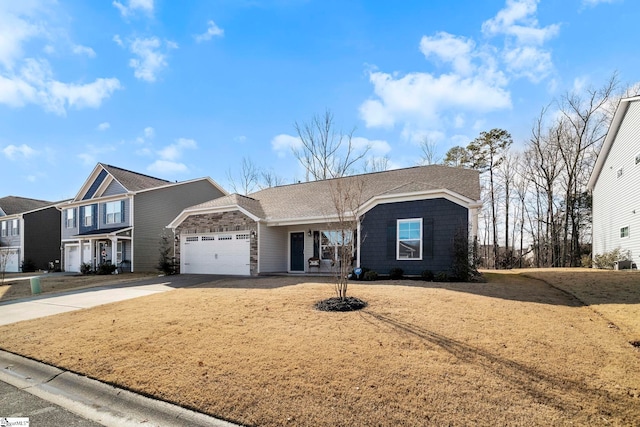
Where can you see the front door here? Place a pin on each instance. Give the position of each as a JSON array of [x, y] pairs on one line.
[[297, 251]]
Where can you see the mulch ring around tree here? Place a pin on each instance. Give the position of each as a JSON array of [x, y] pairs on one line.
[[339, 304]]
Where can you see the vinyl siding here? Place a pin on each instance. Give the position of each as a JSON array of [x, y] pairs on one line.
[[68, 233], [114, 188], [42, 237], [441, 219], [154, 209], [272, 249], [616, 200]]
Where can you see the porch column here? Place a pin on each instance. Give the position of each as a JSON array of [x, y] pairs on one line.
[[114, 250]]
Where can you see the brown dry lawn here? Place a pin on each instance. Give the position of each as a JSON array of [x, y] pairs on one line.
[[514, 351], [14, 287]]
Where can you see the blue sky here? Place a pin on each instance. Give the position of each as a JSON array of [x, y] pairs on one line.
[[185, 89]]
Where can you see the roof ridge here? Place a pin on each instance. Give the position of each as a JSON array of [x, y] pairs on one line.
[[135, 173]]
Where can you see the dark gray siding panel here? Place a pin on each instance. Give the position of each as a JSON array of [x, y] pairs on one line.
[[42, 237], [154, 210], [440, 221]]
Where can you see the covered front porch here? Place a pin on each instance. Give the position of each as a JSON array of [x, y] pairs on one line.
[[105, 247], [313, 249]]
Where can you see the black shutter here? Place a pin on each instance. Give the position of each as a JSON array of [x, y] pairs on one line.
[[122, 211], [428, 237], [391, 240]]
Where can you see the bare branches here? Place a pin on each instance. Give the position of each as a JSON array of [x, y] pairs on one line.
[[429, 152], [347, 198], [326, 152]]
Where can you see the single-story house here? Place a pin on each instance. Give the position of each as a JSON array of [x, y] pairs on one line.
[[406, 218]]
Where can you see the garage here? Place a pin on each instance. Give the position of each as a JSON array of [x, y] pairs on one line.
[[72, 258], [11, 260], [220, 253]]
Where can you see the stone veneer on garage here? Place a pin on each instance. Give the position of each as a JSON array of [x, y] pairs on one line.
[[233, 221]]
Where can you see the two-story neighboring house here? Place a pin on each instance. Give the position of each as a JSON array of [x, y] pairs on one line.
[[119, 217], [29, 232], [615, 184]]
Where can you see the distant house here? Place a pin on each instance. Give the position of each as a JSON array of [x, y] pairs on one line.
[[407, 218], [119, 216], [29, 233], [615, 184]]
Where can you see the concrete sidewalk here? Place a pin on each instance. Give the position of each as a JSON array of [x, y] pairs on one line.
[[92, 400]]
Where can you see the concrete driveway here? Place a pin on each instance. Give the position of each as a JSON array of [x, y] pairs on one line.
[[47, 305]]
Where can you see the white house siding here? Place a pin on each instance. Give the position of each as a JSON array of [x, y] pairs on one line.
[[616, 200]]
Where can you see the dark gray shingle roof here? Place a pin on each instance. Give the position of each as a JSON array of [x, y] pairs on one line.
[[134, 181], [12, 205], [313, 199]]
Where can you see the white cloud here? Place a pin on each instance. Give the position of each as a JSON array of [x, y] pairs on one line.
[[94, 153], [450, 49], [134, 5], [422, 97], [378, 147], [593, 3], [477, 81], [151, 56], [30, 80], [104, 126], [240, 138], [15, 152], [212, 30], [118, 40], [167, 167], [35, 84], [16, 29], [149, 132], [523, 53], [283, 144], [174, 151], [83, 50]]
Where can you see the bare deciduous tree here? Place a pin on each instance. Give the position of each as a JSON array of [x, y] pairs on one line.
[[346, 198], [247, 182], [429, 152], [326, 152], [376, 164]]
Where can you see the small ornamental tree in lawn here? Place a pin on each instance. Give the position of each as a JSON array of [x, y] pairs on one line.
[[346, 198]]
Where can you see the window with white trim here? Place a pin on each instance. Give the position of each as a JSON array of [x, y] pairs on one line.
[[409, 241], [88, 216], [333, 243], [70, 218], [3, 227], [114, 212], [15, 227], [624, 232]]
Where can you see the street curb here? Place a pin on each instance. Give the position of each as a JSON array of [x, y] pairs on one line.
[[94, 400]]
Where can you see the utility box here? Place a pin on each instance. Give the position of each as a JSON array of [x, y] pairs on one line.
[[35, 286]]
